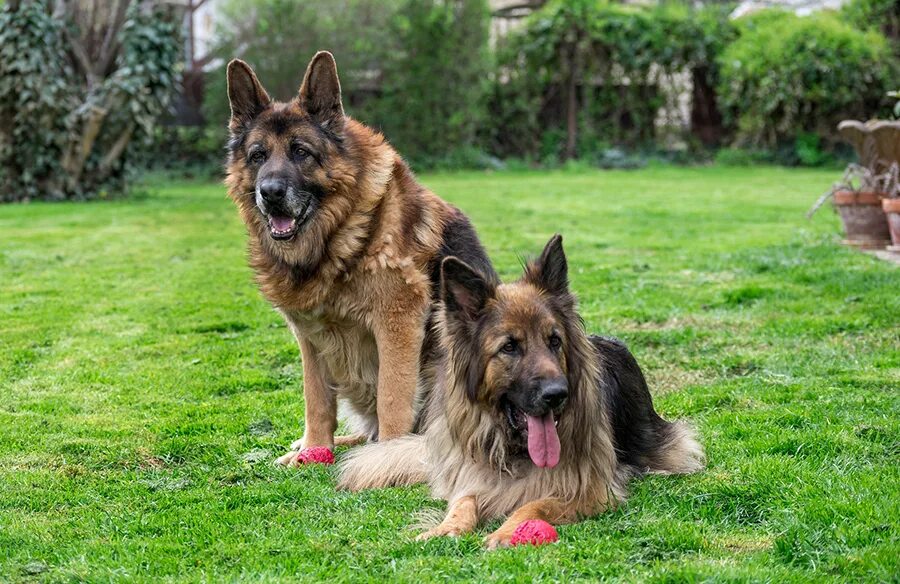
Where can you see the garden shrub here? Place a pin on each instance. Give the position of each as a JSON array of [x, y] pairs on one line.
[[787, 76], [743, 157], [37, 94], [187, 151], [279, 37], [435, 81], [599, 72], [415, 69], [74, 116], [882, 15]]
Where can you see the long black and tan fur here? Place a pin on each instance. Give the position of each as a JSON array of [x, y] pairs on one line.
[[346, 245], [516, 353]]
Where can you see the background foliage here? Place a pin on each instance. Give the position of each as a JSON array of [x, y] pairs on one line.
[[36, 98], [80, 91], [278, 37], [595, 80], [413, 68], [599, 81], [588, 73], [786, 77], [435, 79]]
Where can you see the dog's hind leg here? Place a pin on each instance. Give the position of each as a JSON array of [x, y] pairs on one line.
[[348, 440], [553, 511], [462, 517]]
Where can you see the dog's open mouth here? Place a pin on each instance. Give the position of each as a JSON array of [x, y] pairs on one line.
[[543, 439], [283, 227]]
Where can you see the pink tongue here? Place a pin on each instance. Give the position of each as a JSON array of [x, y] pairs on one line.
[[543, 441], [282, 223]]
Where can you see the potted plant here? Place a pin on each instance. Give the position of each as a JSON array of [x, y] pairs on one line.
[[858, 198], [891, 207], [891, 204]]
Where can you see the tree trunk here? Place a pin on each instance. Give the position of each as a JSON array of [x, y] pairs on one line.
[[571, 104], [706, 120], [94, 45], [117, 149]]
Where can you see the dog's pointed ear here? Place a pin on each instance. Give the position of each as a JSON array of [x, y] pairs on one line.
[[464, 291], [320, 93], [245, 93], [550, 271]]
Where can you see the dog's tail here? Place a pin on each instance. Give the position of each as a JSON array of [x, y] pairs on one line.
[[392, 463], [676, 451]]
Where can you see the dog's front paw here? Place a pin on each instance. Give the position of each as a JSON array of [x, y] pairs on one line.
[[439, 531], [498, 539], [287, 459], [297, 444], [314, 455]]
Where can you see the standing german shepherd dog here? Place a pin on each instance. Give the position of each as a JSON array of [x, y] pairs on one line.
[[346, 245], [530, 416]]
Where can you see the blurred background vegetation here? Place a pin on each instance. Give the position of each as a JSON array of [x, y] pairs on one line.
[[92, 91]]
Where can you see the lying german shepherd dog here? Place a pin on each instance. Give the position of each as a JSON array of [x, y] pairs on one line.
[[346, 245], [530, 416]]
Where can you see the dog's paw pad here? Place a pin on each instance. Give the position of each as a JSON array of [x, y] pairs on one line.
[[286, 459], [495, 541], [439, 531]]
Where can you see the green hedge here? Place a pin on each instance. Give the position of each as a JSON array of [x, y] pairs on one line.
[[421, 71], [435, 80], [279, 37], [68, 131], [786, 76], [416, 69], [620, 60]]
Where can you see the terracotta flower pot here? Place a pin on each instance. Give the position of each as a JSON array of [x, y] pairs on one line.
[[892, 210], [865, 223]]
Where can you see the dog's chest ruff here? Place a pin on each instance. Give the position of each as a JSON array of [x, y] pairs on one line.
[[345, 348]]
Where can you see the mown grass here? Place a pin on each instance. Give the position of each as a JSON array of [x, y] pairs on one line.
[[146, 387]]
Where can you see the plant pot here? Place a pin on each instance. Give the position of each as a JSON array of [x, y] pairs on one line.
[[865, 223], [891, 208]]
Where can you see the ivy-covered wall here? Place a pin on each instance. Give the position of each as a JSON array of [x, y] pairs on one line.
[[75, 110]]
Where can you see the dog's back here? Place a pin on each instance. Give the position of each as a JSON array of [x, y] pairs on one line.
[[644, 442]]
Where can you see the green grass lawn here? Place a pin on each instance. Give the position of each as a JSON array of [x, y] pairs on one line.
[[145, 387]]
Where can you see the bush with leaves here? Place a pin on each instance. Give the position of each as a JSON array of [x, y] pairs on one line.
[[595, 72], [37, 95], [80, 91], [415, 69], [787, 76], [279, 37], [435, 81], [882, 15]]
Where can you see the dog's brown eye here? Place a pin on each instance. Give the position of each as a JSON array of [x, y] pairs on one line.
[[510, 348], [298, 151], [257, 157], [555, 342]]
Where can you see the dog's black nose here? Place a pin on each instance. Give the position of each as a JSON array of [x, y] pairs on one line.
[[554, 392], [272, 189]]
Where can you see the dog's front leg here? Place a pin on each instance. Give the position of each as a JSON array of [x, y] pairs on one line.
[[320, 413], [551, 510], [462, 517], [399, 339]]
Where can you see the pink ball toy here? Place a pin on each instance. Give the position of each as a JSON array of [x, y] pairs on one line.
[[316, 454], [534, 532]]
